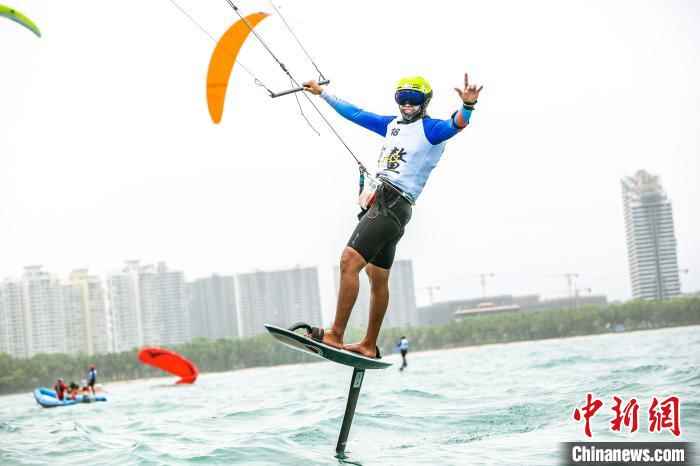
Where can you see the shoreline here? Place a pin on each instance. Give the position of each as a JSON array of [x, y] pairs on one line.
[[105, 385]]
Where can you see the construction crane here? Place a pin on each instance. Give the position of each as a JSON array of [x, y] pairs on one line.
[[570, 283], [482, 279], [431, 289]]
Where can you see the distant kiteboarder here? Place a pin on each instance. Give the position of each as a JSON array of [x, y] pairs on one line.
[[403, 347]]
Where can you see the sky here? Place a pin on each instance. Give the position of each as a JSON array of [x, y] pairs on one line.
[[107, 151]]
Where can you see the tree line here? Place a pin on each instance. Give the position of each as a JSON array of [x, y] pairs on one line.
[[18, 375]]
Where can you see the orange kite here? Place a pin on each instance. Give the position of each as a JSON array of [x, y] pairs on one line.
[[222, 60]]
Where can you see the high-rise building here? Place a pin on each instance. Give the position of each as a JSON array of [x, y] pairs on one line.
[[402, 296], [125, 307], [13, 330], [76, 323], [151, 322], [279, 297], [96, 326], [212, 307], [651, 241], [402, 311], [44, 315], [148, 306], [172, 306]]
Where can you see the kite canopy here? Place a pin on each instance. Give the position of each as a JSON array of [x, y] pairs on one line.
[[16, 16], [171, 362], [222, 60]]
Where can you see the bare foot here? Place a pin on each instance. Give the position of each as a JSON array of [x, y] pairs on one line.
[[330, 338], [362, 348]]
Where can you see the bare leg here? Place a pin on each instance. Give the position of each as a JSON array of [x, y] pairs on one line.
[[378, 303], [351, 262]]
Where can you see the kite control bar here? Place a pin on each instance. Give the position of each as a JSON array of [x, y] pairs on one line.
[[295, 89]]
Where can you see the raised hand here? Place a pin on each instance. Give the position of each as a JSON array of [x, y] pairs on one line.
[[470, 93]]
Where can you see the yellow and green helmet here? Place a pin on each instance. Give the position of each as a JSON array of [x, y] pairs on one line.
[[414, 90], [417, 83]]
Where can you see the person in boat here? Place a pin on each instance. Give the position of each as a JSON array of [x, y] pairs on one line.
[[60, 388], [413, 145], [92, 378], [73, 390]]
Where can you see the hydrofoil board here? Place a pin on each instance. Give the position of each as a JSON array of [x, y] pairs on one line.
[[308, 345]]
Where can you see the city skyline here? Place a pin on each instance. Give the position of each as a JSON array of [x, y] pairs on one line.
[[154, 304], [135, 307], [471, 284], [431, 289]]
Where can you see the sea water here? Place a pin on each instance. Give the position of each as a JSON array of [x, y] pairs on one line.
[[505, 404]]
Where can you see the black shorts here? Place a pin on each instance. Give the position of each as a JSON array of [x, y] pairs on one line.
[[381, 227], [404, 352]]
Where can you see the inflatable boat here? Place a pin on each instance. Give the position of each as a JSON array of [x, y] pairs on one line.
[[47, 398]]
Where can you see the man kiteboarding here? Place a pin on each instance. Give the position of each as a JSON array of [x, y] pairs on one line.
[[413, 145], [403, 347]]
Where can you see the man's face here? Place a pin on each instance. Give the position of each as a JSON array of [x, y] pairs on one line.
[[409, 111], [409, 101]]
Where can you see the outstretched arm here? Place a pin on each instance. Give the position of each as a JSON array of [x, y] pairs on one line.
[[438, 131], [371, 121]]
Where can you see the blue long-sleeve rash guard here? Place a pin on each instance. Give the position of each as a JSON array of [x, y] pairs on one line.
[[436, 131]]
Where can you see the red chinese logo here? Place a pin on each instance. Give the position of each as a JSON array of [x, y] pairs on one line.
[[627, 415], [663, 415], [588, 412]]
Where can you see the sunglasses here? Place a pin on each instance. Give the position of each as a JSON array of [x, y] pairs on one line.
[[409, 97]]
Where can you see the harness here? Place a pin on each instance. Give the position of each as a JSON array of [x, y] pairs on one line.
[[387, 197]]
